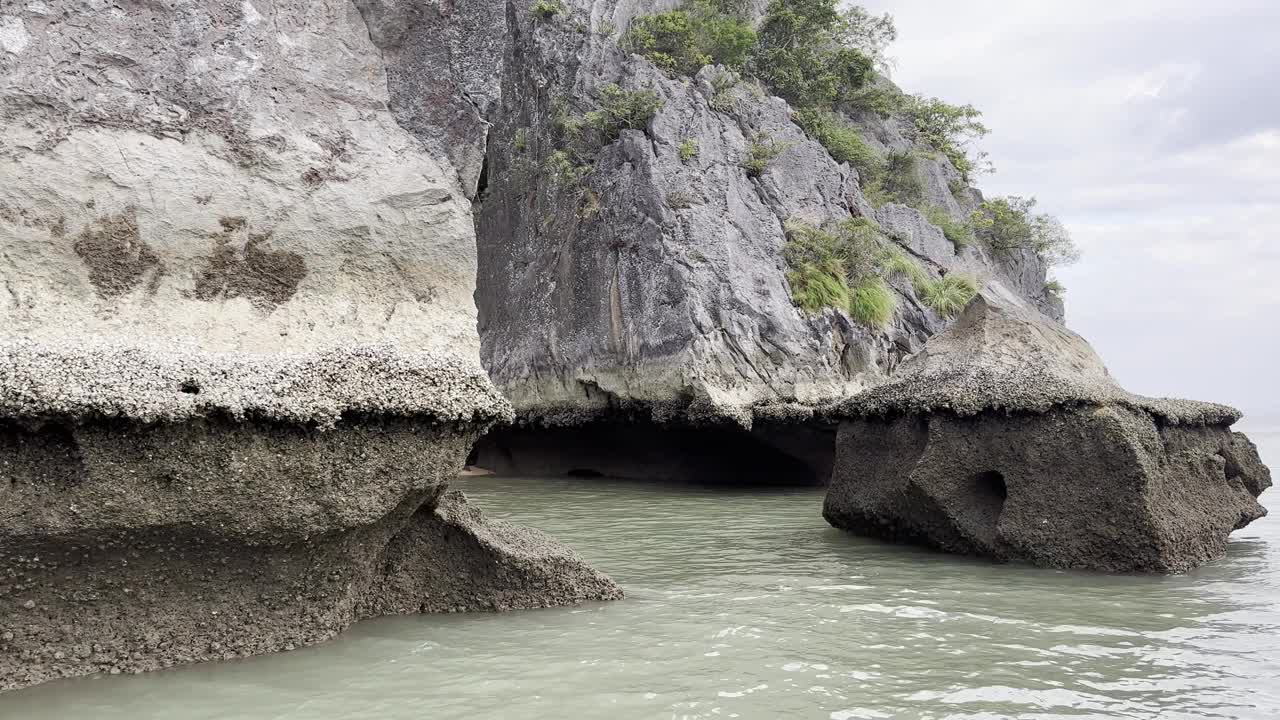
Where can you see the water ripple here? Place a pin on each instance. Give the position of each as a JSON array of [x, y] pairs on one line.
[[745, 605]]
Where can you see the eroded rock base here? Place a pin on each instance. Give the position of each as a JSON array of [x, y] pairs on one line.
[[782, 454], [1096, 487], [129, 547]]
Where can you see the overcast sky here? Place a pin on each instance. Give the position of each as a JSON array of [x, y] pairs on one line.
[[1152, 129]]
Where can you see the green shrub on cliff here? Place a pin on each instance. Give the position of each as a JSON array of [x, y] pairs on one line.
[[870, 34], [1005, 223], [895, 262], [947, 295], [806, 55], [897, 180], [682, 41], [622, 110], [1010, 223], [949, 129], [564, 168], [688, 149], [814, 287], [807, 51], [545, 9], [723, 99], [580, 136]]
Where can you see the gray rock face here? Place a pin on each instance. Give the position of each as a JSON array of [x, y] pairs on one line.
[[1006, 437], [655, 285], [127, 547], [227, 172], [238, 347]]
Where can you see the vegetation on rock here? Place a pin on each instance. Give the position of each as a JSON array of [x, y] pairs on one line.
[[845, 265], [826, 61], [761, 153], [871, 302], [1007, 224], [722, 98], [959, 233], [897, 180], [622, 110], [948, 129], [704, 32], [545, 9], [688, 149], [870, 34], [949, 294], [581, 136], [806, 55], [806, 51], [842, 141]]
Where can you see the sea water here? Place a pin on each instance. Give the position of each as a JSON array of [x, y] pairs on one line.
[[745, 604]]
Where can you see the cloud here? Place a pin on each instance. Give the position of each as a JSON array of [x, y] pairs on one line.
[[1152, 129]]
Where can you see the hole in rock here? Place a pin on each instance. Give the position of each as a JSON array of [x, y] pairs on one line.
[[585, 473], [190, 387], [990, 487]]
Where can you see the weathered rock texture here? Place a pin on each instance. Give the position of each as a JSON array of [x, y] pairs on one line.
[[238, 347], [228, 171], [127, 547], [1006, 437], [656, 285]]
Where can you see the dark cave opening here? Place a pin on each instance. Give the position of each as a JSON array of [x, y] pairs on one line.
[[790, 456]]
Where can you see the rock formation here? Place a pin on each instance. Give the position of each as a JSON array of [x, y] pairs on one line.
[[1006, 437], [238, 355], [653, 287]]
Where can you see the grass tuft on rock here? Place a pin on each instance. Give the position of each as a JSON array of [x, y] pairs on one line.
[[949, 295], [843, 142], [761, 153], [814, 287], [871, 302], [959, 233]]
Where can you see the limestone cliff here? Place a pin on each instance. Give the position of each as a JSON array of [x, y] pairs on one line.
[[227, 172], [655, 283], [238, 348]]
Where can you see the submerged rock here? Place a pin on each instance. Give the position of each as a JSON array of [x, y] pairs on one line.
[[1006, 437]]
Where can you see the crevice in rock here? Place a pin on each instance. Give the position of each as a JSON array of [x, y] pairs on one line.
[[482, 182]]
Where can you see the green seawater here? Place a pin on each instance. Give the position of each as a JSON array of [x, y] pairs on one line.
[[745, 604]]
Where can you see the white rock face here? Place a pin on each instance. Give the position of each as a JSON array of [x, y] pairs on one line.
[[223, 172]]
